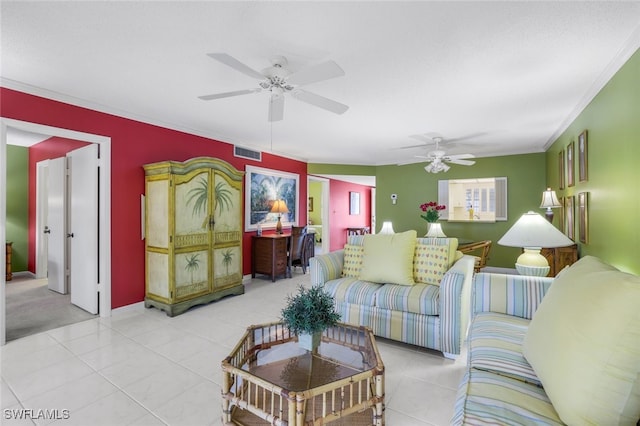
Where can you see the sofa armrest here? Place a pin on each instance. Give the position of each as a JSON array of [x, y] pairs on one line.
[[455, 289], [326, 267], [517, 295]]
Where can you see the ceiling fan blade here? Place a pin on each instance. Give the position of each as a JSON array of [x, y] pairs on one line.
[[276, 107], [319, 101], [469, 136], [461, 162], [460, 156], [423, 138], [236, 65], [229, 94], [323, 71]]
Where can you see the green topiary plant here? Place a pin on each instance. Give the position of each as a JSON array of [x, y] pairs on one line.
[[310, 311]]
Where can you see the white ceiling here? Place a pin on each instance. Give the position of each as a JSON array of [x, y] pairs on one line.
[[511, 74]]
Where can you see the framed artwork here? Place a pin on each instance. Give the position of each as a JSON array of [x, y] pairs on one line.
[[568, 217], [310, 204], [583, 172], [354, 203], [561, 169], [570, 164], [262, 188], [583, 217], [561, 214]]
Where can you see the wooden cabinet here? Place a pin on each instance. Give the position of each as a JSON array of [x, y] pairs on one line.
[[269, 255], [193, 217], [559, 258]]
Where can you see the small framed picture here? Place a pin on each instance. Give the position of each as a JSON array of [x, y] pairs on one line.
[[354, 203], [583, 165], [568, 217], [570, 164], [561, 169], [583, 217], [310, 205]]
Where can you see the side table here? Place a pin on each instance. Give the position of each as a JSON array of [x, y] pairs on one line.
[[269, 255]]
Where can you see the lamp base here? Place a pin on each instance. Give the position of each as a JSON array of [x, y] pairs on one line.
[[279, 226], [531, 262], [549, 214]]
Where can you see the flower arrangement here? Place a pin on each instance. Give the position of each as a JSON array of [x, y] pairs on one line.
[[432, 211]]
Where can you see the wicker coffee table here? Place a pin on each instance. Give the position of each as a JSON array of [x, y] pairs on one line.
[[268, 379]]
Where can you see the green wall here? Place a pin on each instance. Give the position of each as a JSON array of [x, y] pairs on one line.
[[18, 205], [525, 183], [315, 192], [612, 121]]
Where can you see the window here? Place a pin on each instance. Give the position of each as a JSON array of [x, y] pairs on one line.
[[481, 199]]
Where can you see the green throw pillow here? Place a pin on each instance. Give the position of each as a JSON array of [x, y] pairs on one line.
[[583, 342], [388, 258]]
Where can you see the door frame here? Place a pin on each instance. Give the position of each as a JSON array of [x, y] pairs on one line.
[[104, 200], [324, 214]]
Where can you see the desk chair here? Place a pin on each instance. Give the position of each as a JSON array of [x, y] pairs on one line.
[[296, 250]]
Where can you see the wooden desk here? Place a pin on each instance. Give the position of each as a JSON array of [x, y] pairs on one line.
[[269, 255]]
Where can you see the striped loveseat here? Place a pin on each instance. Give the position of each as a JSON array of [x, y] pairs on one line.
[[544, 351], [431, 311]]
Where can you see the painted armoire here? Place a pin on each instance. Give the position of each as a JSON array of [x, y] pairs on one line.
[[193, 233]]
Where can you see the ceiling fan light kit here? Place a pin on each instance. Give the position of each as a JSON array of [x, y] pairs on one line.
[[279, 80], [438, 158]]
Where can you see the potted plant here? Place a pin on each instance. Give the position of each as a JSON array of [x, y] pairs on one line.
[[308, 313]]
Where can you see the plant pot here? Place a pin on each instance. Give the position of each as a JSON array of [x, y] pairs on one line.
[[435, 230], [310, 342]]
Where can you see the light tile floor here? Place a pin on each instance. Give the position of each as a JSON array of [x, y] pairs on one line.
[[141, 367]]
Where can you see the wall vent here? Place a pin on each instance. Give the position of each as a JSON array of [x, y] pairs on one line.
[[247, 153]]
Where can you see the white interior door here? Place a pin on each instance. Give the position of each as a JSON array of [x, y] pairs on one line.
[[83, 228], [55, 229], [42, 207]]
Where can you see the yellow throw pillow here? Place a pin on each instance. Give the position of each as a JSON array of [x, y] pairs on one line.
[[388, 258], [352, 264], [584, 344], [430, 263]]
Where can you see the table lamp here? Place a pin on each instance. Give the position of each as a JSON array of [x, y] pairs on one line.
[[532, 232], [549, 201], [279, 206], [387, 228]]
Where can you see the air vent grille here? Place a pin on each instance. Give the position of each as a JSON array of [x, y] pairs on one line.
[[247, 153]]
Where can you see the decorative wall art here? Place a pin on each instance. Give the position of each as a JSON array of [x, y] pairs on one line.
[[262, 188], [583, 169], [570, 164], [310, 204], [561, 214], [568, 215], [354, 203], [561, 169], [583, 217]]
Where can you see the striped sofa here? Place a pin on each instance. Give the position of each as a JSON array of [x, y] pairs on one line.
[[526, 365], [427, 315]]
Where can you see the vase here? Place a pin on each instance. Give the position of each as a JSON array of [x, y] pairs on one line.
[[309, 341], [435, 230]]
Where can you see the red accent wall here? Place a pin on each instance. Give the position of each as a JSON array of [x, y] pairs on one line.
[[339, 217], [134, 144], [51, 148]]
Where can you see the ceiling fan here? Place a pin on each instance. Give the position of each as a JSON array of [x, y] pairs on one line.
[[437, 158], [279, 80]]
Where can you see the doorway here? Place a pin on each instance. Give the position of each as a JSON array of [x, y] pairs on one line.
[[103, 200], [318, 212]]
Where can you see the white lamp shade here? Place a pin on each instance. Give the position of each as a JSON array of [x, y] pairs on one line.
[[533, 230], [387, 228], [550, 199]]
